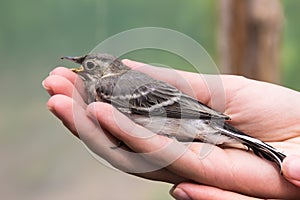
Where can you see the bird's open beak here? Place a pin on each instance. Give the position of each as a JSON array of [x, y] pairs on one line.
[[76, 59]]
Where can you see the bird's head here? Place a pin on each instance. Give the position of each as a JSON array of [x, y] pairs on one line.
[[94, 66]]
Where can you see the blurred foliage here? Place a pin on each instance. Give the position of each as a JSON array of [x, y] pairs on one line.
[[35, 34], [45, 30]]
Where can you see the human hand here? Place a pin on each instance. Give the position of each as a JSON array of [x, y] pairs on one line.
[[221, 168], [194, 191]]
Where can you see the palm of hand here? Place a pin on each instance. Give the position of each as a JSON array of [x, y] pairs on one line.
[[267, 112]]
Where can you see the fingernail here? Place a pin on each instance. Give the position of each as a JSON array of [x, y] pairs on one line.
[[180, 194], [47, 88], [43, 84], [292, 169], [126, 60]]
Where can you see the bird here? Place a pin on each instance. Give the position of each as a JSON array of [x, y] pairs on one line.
[[161, 107]]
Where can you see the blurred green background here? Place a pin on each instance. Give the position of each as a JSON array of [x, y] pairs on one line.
[[39, 158]]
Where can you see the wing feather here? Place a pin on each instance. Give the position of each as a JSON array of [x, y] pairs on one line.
[[138, 93]]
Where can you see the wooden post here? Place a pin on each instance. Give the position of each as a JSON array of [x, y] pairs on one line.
[[250, 34]]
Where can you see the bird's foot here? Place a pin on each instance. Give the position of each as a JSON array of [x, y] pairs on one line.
[[119, 145]]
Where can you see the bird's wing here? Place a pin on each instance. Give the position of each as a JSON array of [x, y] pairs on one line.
[[161, 99], [140, 94]]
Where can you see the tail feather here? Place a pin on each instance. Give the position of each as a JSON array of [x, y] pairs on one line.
[[259, 148]]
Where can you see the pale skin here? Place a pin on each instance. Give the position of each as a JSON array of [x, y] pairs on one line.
[[262, 110]]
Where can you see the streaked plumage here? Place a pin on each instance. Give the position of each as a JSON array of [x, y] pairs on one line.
[[160, 107]]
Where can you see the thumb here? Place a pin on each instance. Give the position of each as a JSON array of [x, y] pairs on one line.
[[291, 169]]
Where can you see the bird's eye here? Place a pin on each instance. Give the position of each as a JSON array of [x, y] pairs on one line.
[[90, 65]]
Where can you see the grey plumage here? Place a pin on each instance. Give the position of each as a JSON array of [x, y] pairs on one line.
[[160, 107]]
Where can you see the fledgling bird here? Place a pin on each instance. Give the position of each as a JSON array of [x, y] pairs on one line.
[[160, 107]]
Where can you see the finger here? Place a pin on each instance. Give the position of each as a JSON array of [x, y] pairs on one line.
[[56, 84], [72, 77], [61, 107], [291, 169], [194, 191], [65, 72]]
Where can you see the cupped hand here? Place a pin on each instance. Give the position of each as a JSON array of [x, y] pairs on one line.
[[248, 103]]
